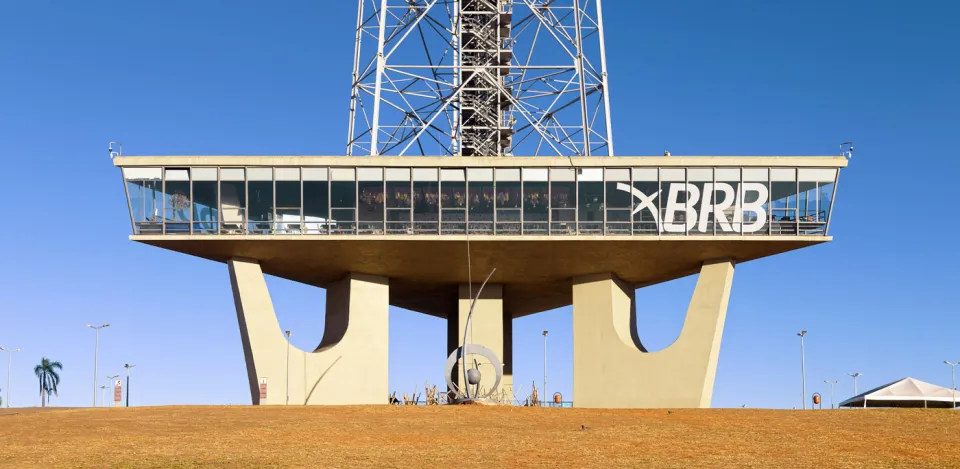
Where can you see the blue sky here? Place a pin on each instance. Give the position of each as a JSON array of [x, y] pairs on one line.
[[694, 77]]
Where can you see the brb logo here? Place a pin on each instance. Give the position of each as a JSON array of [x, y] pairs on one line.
[[726, 197]]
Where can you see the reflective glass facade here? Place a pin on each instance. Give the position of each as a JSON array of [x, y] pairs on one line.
[[667, 201]]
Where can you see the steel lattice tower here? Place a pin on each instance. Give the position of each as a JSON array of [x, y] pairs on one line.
[[480, 78]]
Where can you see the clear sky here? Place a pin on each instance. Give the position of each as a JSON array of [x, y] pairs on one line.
[[693, 77]]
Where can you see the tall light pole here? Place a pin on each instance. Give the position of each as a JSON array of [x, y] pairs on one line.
[[288, 367], [9, 365], [832, 384], [110, 380], [103, 395], [96, 352], [545, 365], [953, 380], [803, 371], [128, 366], [854, 376]]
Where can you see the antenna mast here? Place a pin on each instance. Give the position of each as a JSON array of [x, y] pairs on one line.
[[479, 78]]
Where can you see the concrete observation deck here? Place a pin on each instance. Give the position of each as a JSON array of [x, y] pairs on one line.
[[397, 228]]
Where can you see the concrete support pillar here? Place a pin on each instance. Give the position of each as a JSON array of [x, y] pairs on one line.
[[491, 327], [612, 369], [348, 367]]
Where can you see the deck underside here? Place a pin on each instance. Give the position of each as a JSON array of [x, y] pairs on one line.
[[424, 271]]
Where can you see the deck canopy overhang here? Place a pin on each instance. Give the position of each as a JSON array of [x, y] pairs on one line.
[[540, 221]]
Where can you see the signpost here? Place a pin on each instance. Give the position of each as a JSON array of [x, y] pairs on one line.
[[117, 392], [263, 388]]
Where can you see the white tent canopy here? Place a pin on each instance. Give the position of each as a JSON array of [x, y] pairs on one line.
[[906, 392]]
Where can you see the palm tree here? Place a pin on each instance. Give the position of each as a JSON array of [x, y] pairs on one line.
[[49, 379]]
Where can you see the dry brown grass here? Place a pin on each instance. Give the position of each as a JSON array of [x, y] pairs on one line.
[[476, 436]]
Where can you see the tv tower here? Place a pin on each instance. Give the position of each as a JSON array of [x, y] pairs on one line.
[[480, 78]]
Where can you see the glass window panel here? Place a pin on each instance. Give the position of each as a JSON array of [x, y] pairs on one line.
[[260, 174], [535, 174], [232, 174], [480, 174], [783, 174], [398, 194], [617, 197], [673, 207], [287, 174], [481, 206], [701, 216], [343, 221], [145, 199], [342, 174], [563, 202], [452, 175], [205, 204], [591, 174], [756, 174], [233, 206], [617, 174], [645, 174], [426, 206], [726, 218], [508, 174], [371, 204], [316, 198], [177, 175], [536, 207], [425, 174], [755, 207], [673, 174], [590, 204], [370, 174], [398, 174], [508, 195], [824, 198], [142, 174], [453, 202], [260, 206], [343, 194], [563, 174], [288, 206], [453, 195], [823, 175], [645, 220], [314, 174], [204, 174], [176, 202]]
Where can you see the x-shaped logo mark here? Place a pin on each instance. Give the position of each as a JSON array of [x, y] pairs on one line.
[[646, 201]]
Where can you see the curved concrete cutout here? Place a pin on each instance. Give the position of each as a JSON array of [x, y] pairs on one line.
[[611, 366], [355, 340]]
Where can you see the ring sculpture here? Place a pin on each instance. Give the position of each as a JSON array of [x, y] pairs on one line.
[[474, 378]]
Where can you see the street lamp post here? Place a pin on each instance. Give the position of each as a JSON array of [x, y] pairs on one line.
[[103, 395], [96, 352], [9, 365], [854, 376], [110, 380], [128, 366], [953, 380], [832, 384], [288, 367], [545, 366], [803, 372]]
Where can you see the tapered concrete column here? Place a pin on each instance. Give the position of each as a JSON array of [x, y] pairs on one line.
[[491, 327], [612, 369], [350, 364]]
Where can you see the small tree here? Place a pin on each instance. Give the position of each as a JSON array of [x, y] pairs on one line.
[[49, 379]]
